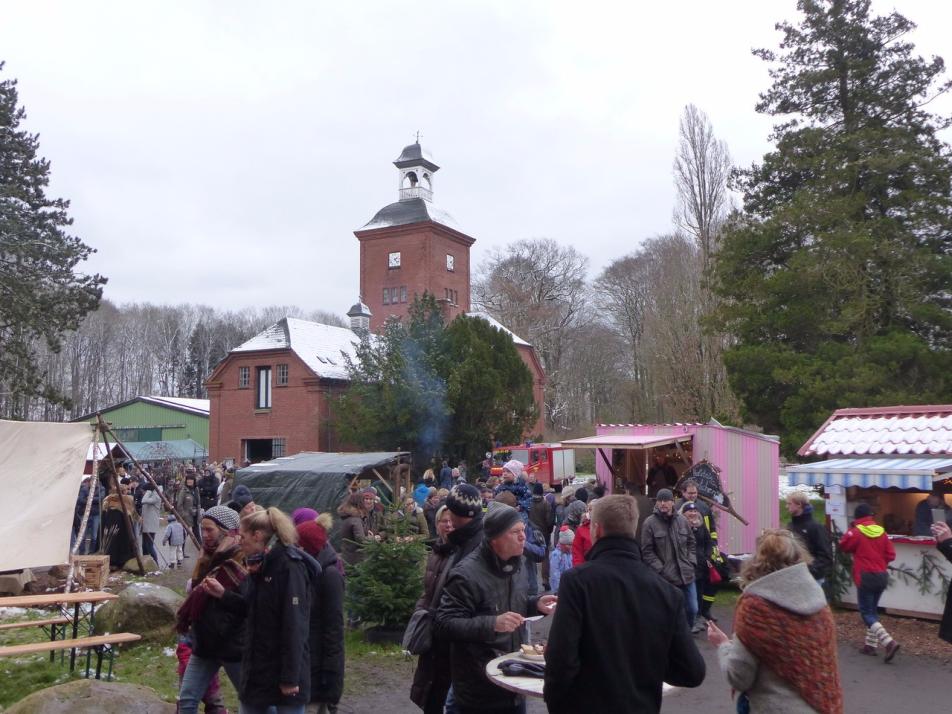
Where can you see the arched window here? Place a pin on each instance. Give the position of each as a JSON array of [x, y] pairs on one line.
[[411, 179]]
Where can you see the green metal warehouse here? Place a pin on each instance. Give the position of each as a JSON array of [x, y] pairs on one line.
[[157, 419]]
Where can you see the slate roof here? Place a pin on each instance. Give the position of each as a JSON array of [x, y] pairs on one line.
[[415, 155], [409, 211], [320, 347], [912, 430]]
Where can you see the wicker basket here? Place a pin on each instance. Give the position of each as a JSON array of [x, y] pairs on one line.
[[92, 570]]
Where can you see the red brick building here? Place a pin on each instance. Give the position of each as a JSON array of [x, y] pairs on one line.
[[271, 396]]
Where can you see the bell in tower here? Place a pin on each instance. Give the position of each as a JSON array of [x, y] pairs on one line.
[[416, 169]]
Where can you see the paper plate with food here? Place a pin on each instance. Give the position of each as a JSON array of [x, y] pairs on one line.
[[535, 653]]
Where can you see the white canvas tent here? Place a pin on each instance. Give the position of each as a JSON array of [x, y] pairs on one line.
[[40, 466]]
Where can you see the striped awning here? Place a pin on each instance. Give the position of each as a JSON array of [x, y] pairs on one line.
[[869, 473]]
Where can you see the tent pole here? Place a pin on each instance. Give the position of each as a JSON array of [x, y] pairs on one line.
[[84, 524], [122, 501], [143, 472]]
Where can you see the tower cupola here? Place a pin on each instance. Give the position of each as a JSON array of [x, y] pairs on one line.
[[360, 316], [416, 168]]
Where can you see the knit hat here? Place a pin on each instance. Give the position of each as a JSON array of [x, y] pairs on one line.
[[566, 536], [537, 489], [225, 517], [499, 519], [514, 467], [863, 510], [664, 495], [464, 500], [312, 537], [581, 495], [302, 515], [242, 495], [689, 506]]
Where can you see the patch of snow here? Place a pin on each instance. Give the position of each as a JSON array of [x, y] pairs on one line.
[[168, 651], [321, 347]]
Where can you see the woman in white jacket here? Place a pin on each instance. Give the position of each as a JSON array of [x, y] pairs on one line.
[[151, 506]]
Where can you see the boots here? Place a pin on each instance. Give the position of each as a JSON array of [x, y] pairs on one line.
[[869, 648], [884, 640]]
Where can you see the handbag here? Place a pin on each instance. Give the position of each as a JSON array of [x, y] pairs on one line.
[[418, 636], [713, 574]]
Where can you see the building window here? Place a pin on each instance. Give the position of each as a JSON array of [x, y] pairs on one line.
[[277, 448], [386, 296], [403, 293], [244, 377], [450, 263], [393, 260], [281, 378], [263, 400]]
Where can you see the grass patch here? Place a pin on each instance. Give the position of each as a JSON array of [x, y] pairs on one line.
[[726, 596], [819, 512]]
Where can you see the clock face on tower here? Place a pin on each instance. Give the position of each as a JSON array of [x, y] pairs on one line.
[[394, 260], [450, 262]]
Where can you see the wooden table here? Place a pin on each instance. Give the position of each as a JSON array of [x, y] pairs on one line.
[[527, 686], [65, 600]]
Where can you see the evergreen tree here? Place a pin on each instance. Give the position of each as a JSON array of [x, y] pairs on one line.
[[436, 390], [41, 295], [835, 277]]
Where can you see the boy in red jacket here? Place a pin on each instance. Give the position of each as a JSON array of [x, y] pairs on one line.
[[872, 552]]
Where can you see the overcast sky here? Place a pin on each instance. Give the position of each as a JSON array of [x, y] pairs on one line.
[[224, 153]]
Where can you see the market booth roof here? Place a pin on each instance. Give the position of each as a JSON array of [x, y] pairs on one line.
[[625, 441], [889, 431], [880, 472], [175, 450]]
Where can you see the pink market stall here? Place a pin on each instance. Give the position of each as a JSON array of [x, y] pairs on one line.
[[891, 458], [748, 464]]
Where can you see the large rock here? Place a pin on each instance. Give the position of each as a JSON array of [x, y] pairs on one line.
[[93, 696], [143, 608], [132, 565]]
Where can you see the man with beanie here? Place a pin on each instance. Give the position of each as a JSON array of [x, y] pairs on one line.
[[872, 552], [484, 604], [465, 505], [241, 500], [561, 559], [617, 633], [668, 548]]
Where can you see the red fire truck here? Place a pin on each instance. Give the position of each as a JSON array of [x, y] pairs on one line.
[[550, 463]]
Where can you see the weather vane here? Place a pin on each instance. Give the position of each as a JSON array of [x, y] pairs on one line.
[[418, 135]]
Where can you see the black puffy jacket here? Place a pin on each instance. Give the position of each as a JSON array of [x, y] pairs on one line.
[[476, 591], [816, 540], [326, 634], [277, 601]]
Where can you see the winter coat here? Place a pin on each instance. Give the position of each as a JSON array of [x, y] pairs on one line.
[[923, 525], [573, 513], [466, 539], [277, 603], [703, 546], [433, 667], [582, 543], [668, 548], [429, 512], [151, 505], [817, 541], [559, 563], [208, 490], [219, 633], [476, 591], [945, 627], [446, 477], [593, 661], [793, 589], [871, 548], [518, 489], [326, 631], [187, 503], [352, 534], [98, 493], [174, 534], [421, 493], [541, 516]]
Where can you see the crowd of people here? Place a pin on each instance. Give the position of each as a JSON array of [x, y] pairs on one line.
[[265, 598]]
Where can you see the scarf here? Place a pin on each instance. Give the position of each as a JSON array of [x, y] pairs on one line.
[[800, 649], [224, 565]]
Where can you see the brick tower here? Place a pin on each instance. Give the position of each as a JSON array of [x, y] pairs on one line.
[[411, 246]]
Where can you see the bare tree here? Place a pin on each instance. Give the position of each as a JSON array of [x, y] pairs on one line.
[[701, 169], [537, 288]]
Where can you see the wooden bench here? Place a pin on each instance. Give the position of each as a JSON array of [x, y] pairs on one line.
[[56, 625], [101, 644]]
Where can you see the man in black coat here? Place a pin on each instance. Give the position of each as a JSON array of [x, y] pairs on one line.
[[619, 630], [484, 604], [943, 537], [811, 534]]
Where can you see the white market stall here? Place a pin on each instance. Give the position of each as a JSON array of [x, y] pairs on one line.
[[890, 458]]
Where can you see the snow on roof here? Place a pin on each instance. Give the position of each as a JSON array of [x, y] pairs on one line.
[[321, 347], [200, 406], [902, 430], [406, 212], [499, 326]]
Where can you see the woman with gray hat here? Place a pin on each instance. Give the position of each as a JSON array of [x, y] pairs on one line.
[[217, 633]]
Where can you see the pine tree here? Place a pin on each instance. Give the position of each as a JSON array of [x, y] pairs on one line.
[[835, 277], [41, 295]]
